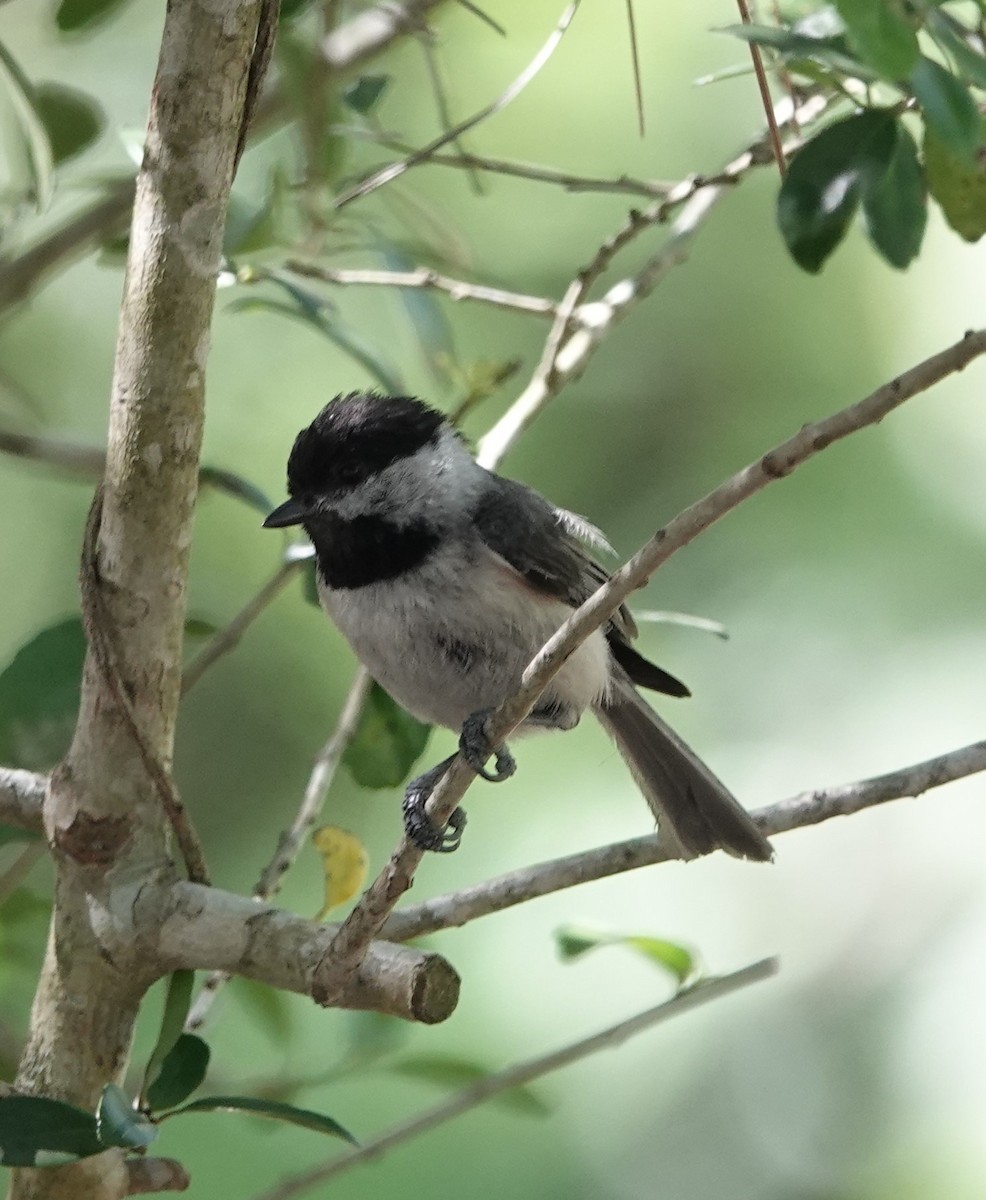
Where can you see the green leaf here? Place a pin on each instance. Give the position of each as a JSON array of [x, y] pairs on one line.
[[387, 743], [309, 583], [177, 1002], [823, 187], [896, 205], [75, 15], [272, 1109], [199, 627], [958, 187], [119, 1124], [30, 1125], [951, 35], [25, 147], [881, 35], [948, 109], [39, 697], [72, 119], [574, 941], [363, 95], [290, 9], [833, 51], [10, 833], [182, 1071], [448, 1071]]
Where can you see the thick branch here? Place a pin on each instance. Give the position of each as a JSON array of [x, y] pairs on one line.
[[22, 794], [807, 808], [207, 929]]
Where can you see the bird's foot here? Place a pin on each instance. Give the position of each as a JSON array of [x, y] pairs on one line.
[[475, 747], [420, 829]]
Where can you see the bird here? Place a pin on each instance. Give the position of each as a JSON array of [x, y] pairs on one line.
[[447, 578]]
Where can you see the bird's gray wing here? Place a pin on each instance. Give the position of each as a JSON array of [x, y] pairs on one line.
[[539, 541]]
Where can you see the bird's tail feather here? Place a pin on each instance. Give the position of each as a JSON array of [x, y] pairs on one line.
[[696, 811]]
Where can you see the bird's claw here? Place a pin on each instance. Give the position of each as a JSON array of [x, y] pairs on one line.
[[475, 748], [420, 829]]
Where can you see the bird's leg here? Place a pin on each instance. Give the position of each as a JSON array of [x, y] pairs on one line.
[[419, 829], [475, 747]]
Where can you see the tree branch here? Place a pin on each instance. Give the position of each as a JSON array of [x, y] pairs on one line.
[[368, 917], [424, 277], [392, 171], [22, 795], [798, 812], [198, 928], [525, 1073]]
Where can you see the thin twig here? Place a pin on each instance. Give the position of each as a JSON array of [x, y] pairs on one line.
[[635, 59], [768, 104], [525, 1073], [394, 170], [424, 277], [292, 840], [621, 185], [797, 812], [228, 638], [427, 41], [20, 868], [566, 356]]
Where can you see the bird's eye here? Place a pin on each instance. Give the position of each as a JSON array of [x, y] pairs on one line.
[[307, 501]]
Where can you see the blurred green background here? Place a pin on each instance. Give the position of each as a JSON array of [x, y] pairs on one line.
[[853, 594]]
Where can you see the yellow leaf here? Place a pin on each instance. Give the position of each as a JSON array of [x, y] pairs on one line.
[[345, 862]]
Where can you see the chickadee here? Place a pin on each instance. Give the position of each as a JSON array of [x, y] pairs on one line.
[[446, 579]]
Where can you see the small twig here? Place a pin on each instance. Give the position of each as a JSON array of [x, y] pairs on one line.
[[227, 639], [427, 42], [566, 357], [768, 104], [654, 189], [292, 839], [638, 89], [424, 277], [525, 1073], [100, 637], [541, 879], [394, 170], [20, 868]]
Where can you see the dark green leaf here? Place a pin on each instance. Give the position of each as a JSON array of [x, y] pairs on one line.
[[451, 1072], [72, 119], [365, 93], [39, 697], [387, 743], [959, 188], [823, 187], [74, 15], [294, 8], [32, 1124], [896, 205], [119, 1124], [573, 942], [10, 833], [882, 35], [371, 1036], [273, 1109], [177, 1001], [792, 44], [182, 1071], [948, 108], [198, 627]]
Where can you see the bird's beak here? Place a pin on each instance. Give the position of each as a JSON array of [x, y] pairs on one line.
[[288, 513]]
